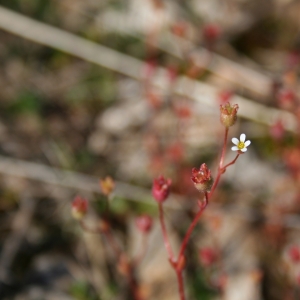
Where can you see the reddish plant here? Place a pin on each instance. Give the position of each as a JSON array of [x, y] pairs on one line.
[[79, 207], [161, 189], [144, 223], [204, 183], [202, 178], [228, 114]]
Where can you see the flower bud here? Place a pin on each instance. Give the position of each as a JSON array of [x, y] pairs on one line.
[[161, 189], [286, 98], [228, 114], [202, 178], [175, 152], [172, 72], [211, 32], [144, 223], [207, 256], [150, 68], [180, 29], [79, 207], [294, 254], [183, 111], [277, 131], [107, 185]]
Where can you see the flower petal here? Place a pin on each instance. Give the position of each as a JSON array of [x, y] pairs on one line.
[[244, 149], [234, 148], [235, 141], [247, 143], [243, 137]]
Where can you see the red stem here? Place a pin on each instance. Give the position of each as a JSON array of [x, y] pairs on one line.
[[231, 163], [111, 241], [220, 169], [164, 231], [191, 228], [175, 264], [180, 284], [183, 246], [215, 184], [224, 148]]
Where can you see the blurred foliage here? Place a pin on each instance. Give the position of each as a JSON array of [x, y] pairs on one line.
[[81, 290], [26, 102]]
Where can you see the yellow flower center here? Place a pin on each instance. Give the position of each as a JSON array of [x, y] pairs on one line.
[[241, 145]]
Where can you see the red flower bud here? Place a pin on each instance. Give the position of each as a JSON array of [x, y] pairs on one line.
[[180, 28], [228, 114], [172, 72], [150, 68], [277, 131], [107, 185], [144, 223], [207, 256], [154, 100], [175, 152], [211, 33], [294, 254], [286, 98], [79, 207], [183, 111], [293, 59], [161, 189], [202, 178]]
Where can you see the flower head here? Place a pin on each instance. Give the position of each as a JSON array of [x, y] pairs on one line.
[[144, 223], [240, 145], [228, 114], [161, 189], [79, 207], [107, 185], [202, 178]]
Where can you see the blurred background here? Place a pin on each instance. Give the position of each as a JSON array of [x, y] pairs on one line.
[[132, 89]]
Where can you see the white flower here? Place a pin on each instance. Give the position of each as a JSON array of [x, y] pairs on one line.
[[241, 145]]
